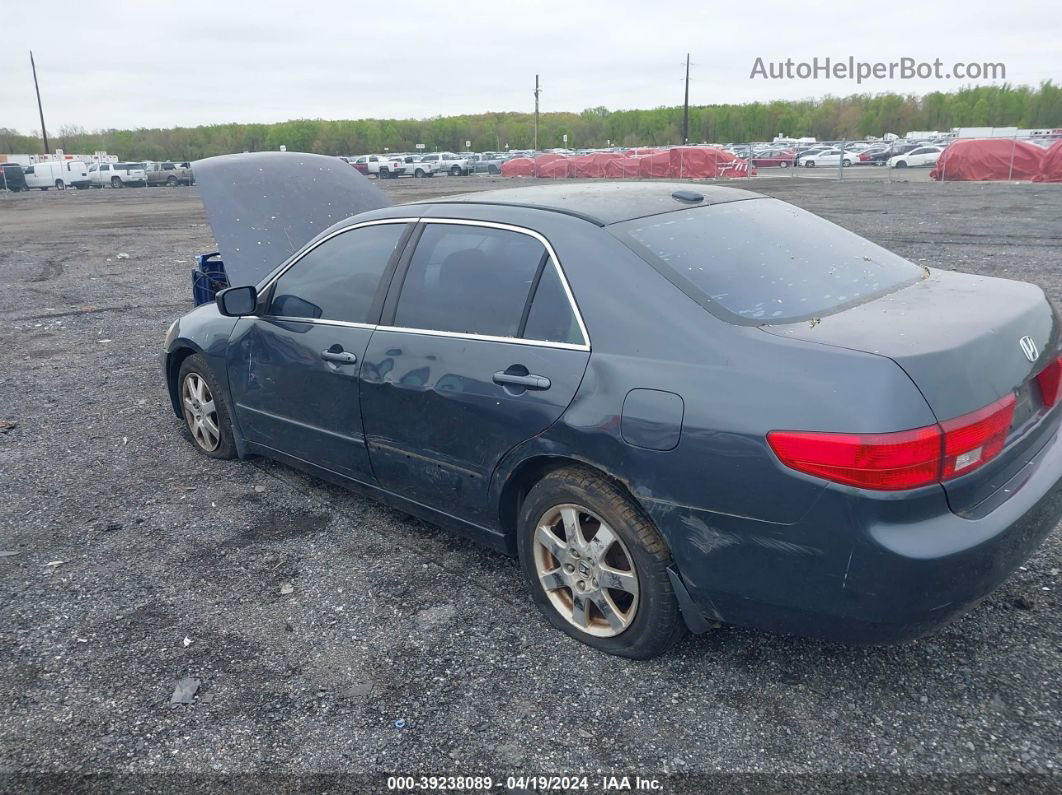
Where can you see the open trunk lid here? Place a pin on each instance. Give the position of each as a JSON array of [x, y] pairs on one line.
[[264, 206], [966, 342]]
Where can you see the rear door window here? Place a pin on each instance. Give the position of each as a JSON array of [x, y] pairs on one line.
[[469, 279], [339, 279], [765, 261]]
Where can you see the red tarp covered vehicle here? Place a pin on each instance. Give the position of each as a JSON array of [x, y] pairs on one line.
[[518, 167], [693, 162], [622, 167], [551, 167], [988, 158], [526, 166], [1051, 165], [593, 165]]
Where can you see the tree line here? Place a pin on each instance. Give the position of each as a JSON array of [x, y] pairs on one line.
[[851, 117]]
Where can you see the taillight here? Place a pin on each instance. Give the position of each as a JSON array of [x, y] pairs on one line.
[[885, 461], [1048, 380], [976, 438], [901, 460]]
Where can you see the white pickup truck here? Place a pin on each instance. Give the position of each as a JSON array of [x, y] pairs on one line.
[[449, 163], [383, 166]]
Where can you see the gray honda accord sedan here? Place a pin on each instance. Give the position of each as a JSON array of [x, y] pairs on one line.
[[679, 404]]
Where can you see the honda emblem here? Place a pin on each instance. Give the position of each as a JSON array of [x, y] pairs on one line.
[[1028, 347]]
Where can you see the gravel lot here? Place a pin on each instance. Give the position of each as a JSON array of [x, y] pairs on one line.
[[130, 562]]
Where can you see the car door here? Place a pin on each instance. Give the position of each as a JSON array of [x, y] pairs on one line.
[[480, 347], [294, 367]]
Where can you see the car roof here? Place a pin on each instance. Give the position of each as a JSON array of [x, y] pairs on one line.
[[604, 203]]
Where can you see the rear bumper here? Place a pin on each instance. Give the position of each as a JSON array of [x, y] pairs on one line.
[[862, 569]]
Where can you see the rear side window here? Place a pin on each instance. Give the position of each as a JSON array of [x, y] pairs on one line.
[[339, 279], [551, 317], [765, 261], [469, 279]]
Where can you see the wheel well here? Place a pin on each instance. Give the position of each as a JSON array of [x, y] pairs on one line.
[[530, 472], [173, 367]]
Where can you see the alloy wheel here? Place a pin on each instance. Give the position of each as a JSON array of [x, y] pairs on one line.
[[200, 412], [586, 571]]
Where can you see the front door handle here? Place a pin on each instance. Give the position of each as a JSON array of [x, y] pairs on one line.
[[339, 356], [528, 381]]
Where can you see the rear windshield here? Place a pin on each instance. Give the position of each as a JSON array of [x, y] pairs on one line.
[[765, 261]]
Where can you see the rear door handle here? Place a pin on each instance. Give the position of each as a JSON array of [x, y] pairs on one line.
[[339, 357], [503, 378]]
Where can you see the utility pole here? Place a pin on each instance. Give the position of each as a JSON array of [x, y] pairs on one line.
[[535, 147], [40, 107], [686, 106]]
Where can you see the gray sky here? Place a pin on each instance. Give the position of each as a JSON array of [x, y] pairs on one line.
[[148, 64]]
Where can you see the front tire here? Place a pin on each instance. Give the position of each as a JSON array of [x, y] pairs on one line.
[[597, 567], [206, 414], [809, 164], [171, 181], [901, 164], [116, 182], [60, 185]]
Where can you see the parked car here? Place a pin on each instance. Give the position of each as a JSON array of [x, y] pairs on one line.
[[12, 177], [661, 454], [878, 156], [814, 150], [380, 166], [770, 158], [58, 174], [488, 163], [920, 156], [829, 157], [449, 163], [171, 174], [418, 167], [117, 175]]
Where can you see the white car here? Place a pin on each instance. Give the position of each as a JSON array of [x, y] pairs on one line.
[[829, 157], [922, 156]]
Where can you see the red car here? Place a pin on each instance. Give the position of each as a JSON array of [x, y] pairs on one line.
[[782, 158]]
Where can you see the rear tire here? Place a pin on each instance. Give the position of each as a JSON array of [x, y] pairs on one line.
[[207, 421], [493, 170], [784, 164], [419, 173], [455, 171], [568, 586]]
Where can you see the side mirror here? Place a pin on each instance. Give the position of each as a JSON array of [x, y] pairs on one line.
[[237, 301]]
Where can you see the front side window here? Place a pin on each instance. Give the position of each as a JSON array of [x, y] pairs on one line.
[[765, 261], [339, 279], [469, 279]]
